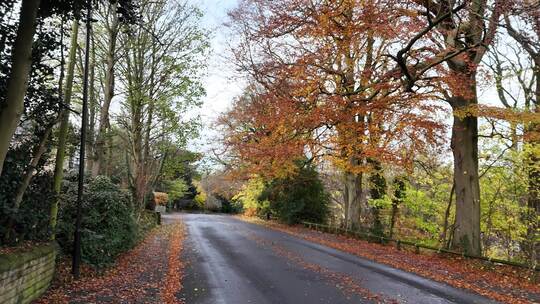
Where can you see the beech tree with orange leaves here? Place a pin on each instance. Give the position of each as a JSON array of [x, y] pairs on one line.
[[363, 84], [447, 40], [324, 87]]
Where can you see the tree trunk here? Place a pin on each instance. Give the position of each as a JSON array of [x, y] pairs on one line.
[[345, 201], [352, 195], [533, 171], [465, 150], [32, 168], [447, 214], [18, 80], [63, 130], [399, 195], [377, 191], [100, 149]]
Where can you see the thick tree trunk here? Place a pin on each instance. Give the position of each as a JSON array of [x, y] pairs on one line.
[[100, 149], [352, 196], [18, 80], [63, 130], [467, 190]]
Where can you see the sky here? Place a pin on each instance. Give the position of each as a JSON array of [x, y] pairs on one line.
[[220, 82]]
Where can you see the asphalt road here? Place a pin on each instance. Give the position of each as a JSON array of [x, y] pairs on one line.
[[233, 262]]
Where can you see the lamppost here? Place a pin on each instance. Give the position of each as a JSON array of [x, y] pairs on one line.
[[77, 237]]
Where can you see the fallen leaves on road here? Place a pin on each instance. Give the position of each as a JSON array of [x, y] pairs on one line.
[[149, 273], [347, 284], [502, 283]]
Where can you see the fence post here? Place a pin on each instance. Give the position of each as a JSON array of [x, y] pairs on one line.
[[398, 245], [417, 248]]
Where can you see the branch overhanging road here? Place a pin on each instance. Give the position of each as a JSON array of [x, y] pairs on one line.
[[233, 262]]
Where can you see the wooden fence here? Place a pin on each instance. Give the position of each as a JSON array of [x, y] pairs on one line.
[[417, 246]]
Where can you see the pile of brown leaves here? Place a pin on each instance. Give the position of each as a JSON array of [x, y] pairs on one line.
[[149, 273]]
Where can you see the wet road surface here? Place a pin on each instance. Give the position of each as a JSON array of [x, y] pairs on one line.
[[233, 262]]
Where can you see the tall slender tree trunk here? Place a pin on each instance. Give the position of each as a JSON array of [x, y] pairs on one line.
[[63, 130], [353, 181], [399, 195], [101, 139], [20, 73], [31, 170], [533, 168], [345, 200], [465, 150], [447, 214]]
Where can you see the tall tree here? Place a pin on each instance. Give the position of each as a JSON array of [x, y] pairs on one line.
[[457, 34], [13, 106], [160, 70], [112, 27], [326, 61], [63, 128], [522, 23]]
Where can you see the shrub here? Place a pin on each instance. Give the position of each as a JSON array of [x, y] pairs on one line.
[[228, 206], [293, 199], [298, 198], [147, 221], [31, 221], [108, 224]]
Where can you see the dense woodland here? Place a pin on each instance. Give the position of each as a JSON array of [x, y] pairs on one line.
[[145, 64], [415, 120]]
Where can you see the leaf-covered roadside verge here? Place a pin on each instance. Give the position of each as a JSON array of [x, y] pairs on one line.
[[501, 283], [149, 273]]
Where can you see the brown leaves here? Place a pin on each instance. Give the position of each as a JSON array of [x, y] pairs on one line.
[[322, 86], [172, 284], [502, 283], [150, 271]]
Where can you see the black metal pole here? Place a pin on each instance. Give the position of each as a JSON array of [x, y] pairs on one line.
[[77, 237]]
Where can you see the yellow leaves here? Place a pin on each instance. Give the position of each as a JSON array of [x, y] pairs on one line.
[[510, 115]]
